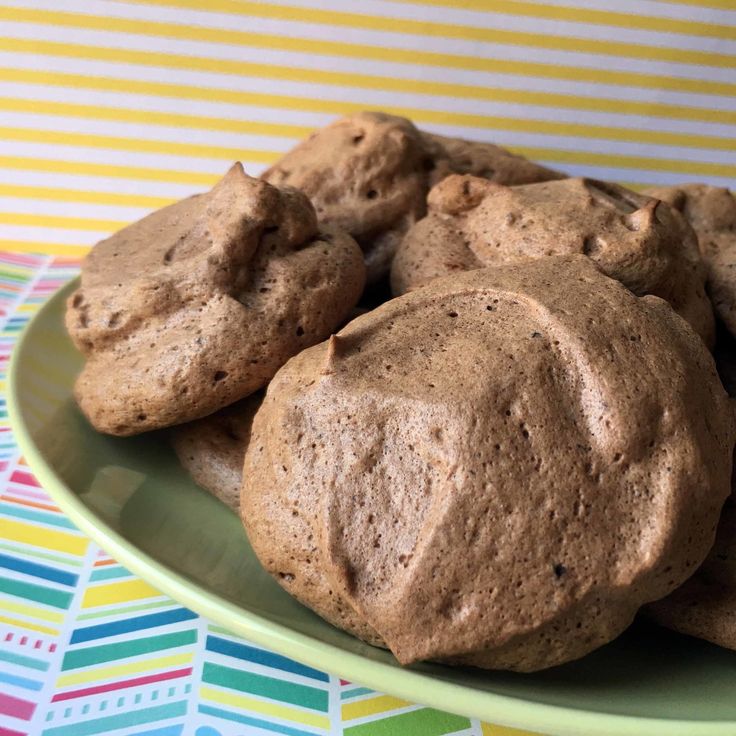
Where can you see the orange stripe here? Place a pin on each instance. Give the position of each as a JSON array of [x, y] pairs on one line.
[[35, 505]]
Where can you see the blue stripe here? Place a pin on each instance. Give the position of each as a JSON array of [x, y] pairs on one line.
[[23, 682], [259, 656], [255, 722], [108, 573], [174, 730], [23, 661], [355, 692], [121, 720], [38, 571], [125, 626], [44, 518]]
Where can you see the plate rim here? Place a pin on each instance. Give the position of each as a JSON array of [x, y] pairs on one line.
[[462, 700]]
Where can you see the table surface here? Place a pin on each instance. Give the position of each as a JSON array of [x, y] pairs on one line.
[[110, 109]]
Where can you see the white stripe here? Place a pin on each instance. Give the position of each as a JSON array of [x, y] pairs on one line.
[[82, 238], [297, 60], [419, 42], [80, 182], [113, 157], [49, 207], [183, 135], [657, 8], [314, 120], [476, 19], [642, 176], [369, 98], [149, 132]]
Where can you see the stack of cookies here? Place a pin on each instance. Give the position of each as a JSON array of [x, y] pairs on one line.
[[501, 465]]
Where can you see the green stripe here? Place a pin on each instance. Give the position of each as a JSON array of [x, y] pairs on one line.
[[122, 720], [40, 516], [125, 609], [424, 722], [219, 630], [108, 573], [267, 687], [72, 562], [124, 649], [30, 662], [38, 593]]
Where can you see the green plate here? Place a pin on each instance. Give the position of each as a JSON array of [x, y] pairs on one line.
[[131, 496]]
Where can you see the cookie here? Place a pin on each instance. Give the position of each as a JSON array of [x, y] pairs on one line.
[[473, 223], [369, 174], [496, 470], [712, 213], [212, 449], [705, 606], [198, 304]]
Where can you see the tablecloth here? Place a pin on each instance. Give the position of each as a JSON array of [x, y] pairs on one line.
[[109, 109]]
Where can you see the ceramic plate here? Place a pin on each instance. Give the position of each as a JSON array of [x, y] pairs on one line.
[[131, 496]]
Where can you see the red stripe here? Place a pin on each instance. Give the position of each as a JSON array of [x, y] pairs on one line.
[[71, 694], [16, 707], [10, 732], [19, 476]]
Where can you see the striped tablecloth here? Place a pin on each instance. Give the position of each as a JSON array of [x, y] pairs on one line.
[[109, 109]]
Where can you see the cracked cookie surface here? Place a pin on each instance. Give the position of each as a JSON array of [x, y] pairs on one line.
[[198, 304]]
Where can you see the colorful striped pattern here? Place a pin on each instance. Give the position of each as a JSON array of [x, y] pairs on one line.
[[109, 109]]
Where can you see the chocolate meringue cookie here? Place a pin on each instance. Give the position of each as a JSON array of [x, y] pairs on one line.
[[369, 174], [473, 223], [705, 606], [497, 470], [712, 213], [212, 449], [198, 304]]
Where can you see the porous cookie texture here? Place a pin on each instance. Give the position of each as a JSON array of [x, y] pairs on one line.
[[485, 160], [473, 223], [212, 449], [198, 305], [369, 174], [497, 470], [705, 606], [712, 213]]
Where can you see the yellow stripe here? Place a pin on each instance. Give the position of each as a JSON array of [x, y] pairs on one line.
[[449, 30], [106, 170], [33, 611], [542, 127], [269, 709], [28, 625], [59, 221], [593, 16], [350, 50], [697, 168], [43, 536], [138, 145], [488, 729], [50, 249], [721, 4], [151, 117], [129, 668], [117, 592], [372, 706], [184, 91], [80, 195], [409, 86]]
